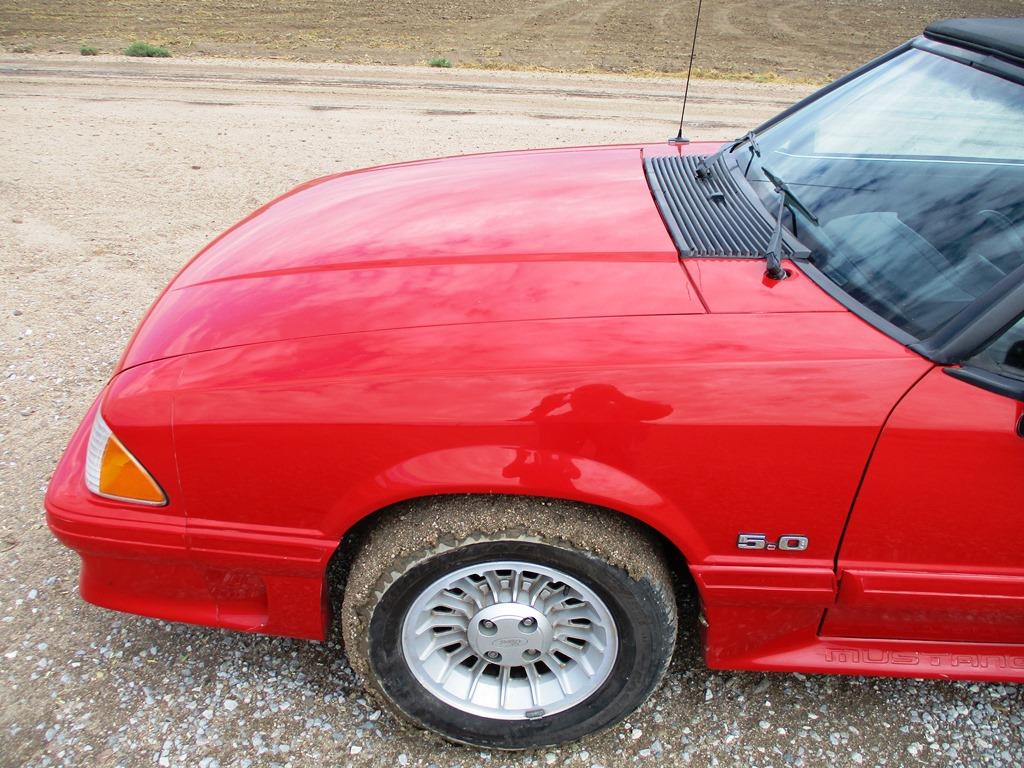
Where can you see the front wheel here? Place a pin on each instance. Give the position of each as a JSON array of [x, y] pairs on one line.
[[509, 637]]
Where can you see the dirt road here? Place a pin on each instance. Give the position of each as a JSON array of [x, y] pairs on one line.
[[112, 173]]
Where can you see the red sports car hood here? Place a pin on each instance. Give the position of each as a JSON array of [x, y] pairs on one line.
[[476, 239]]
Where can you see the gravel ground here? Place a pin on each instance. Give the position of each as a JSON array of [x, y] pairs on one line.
[[111, 174]]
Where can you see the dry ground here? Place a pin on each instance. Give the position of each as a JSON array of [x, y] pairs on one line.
[[795, 38], [112, 173]]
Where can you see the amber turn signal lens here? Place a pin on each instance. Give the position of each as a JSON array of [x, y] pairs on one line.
[[112, 471], [122, 476]]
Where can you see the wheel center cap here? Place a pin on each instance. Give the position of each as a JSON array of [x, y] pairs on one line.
[[509, 634]]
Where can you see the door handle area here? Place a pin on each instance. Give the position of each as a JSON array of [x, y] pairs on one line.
[[1020, 426]]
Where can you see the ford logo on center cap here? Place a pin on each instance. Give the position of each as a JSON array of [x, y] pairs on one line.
[[510, 642]]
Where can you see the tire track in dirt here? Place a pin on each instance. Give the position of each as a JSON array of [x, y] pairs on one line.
[[26, 74]]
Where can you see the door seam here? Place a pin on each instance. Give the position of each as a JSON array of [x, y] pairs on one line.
[[864, 472]]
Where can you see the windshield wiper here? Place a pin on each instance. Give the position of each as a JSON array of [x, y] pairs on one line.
[[783, 188], [703, 169], [773, 254], [753, 146]]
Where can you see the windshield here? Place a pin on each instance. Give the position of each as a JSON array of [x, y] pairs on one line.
[[915, 173]]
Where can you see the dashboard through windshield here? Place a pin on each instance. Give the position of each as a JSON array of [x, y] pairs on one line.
[[914, 171]]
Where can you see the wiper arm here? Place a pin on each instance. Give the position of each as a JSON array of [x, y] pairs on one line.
[[782, 188], [751, 138], [773, 254], [753, 146], [703, 169]]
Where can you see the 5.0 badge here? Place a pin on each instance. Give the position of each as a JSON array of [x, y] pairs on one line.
[[788, 542]]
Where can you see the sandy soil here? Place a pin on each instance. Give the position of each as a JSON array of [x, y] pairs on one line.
[[112, 173], [796, 38]]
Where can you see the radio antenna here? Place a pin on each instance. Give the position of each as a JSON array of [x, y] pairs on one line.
[[679, 138]]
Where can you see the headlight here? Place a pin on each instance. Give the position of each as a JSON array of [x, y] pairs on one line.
[[111, 471]]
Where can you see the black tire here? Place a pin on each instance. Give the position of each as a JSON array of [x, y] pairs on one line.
[[409, 549]]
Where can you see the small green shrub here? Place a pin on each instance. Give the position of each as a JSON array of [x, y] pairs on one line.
[[24, 48], [88, 50], [147, 50], [440, 61]]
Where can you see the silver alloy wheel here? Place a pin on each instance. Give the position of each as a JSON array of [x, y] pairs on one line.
[[509, 640]]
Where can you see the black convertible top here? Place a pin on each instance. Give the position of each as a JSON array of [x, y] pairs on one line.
[[1000, 37]]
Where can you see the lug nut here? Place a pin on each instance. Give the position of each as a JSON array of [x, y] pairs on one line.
[[488, 627], [531, 654], [493, 655], [527, 622]]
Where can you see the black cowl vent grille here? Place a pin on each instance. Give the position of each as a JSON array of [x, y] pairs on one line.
[[710, 216]]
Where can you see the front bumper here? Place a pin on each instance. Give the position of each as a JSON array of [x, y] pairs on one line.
[[139, 560]]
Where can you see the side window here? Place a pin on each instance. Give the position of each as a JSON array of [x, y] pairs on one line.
[[1005, 355]]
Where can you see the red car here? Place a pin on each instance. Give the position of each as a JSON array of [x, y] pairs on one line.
[[496, 412]]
